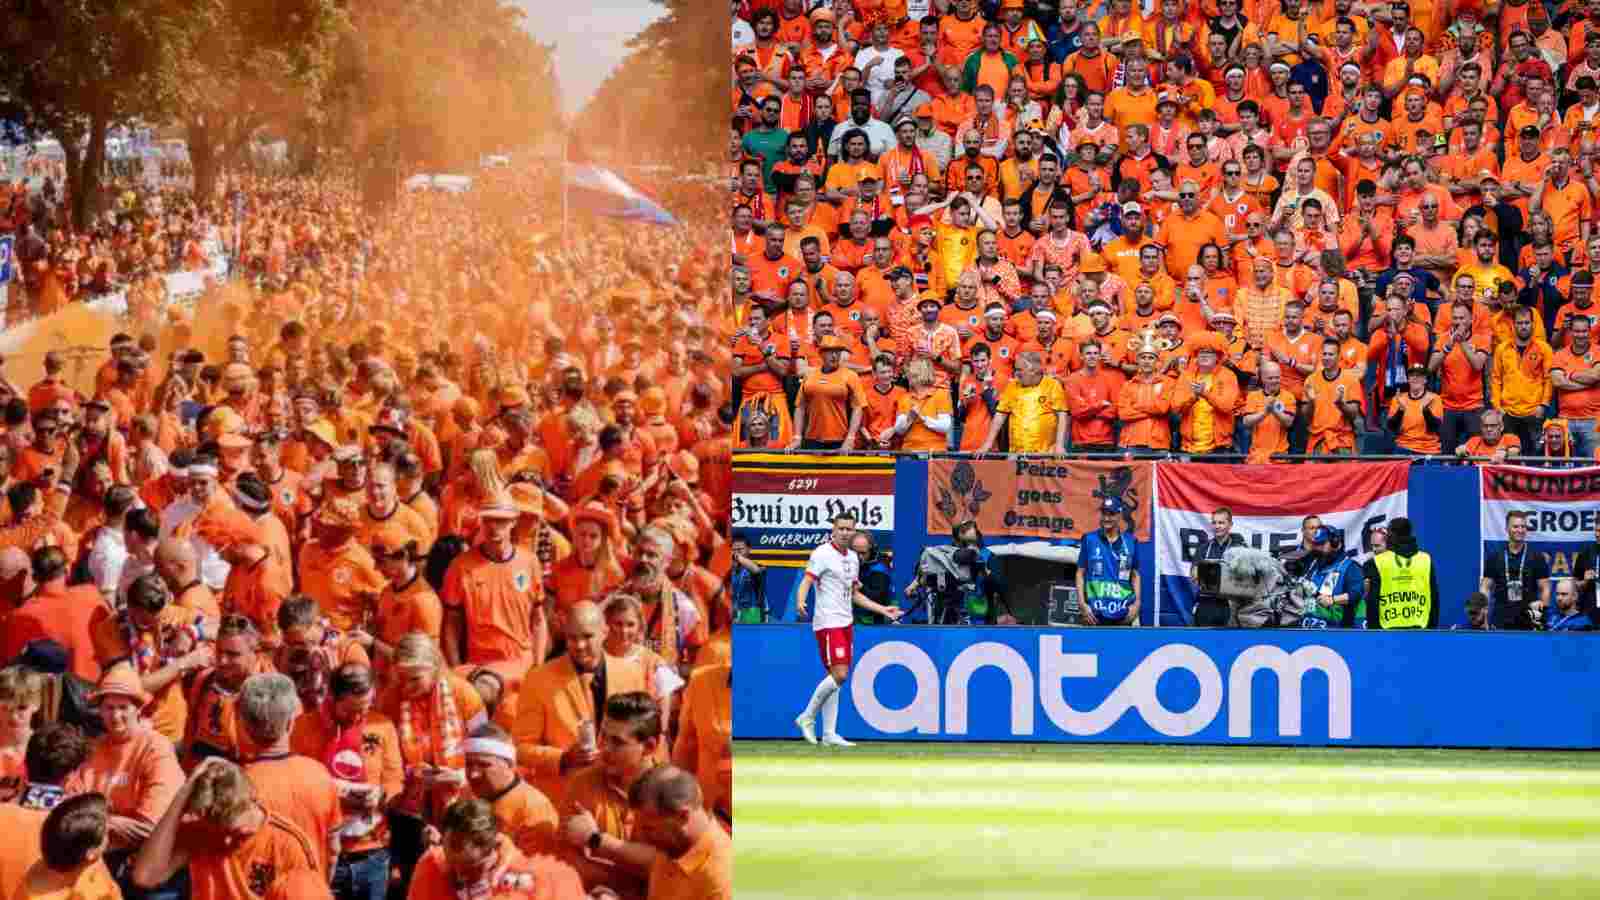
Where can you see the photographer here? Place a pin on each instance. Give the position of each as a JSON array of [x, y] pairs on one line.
[[1108, 570], [956, 583], [1332, 584], [876, 578], [1209, 607], [747, 584]]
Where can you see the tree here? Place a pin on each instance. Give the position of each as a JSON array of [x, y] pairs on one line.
[[80, 66], [673, 83], [409, 95], [252, 63]]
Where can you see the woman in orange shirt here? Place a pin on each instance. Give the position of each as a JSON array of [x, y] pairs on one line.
[[924, 415], [592, 571]]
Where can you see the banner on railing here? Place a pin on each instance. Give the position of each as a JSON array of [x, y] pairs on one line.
[[784, 503], [1211, 686], [1268, 503], [1040, 498], [1562, 508]]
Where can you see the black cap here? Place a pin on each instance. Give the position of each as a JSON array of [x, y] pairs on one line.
[[1583, 276], [899, 272], [1529, 131]]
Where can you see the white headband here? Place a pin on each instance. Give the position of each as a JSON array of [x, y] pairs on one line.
[[201, 470], [180, 471], [490, 747]]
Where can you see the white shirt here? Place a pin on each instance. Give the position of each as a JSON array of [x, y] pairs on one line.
[[877, 80], [880, 137], [107, 558], [742, 33], [835, 574], [213, 569]]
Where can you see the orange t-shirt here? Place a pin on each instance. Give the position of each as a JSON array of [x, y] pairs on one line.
[[199, 598], [338, 579], [528, 817], [17, 856], [704, 873], [300, 790], [1330, 430], [1269, 435], [1510, 443], [1303, 350], [574, 583], [882, 407], [1413, 434], [520, 877], [1183, 237], [92, 882], [497, 597], [1583, 404], [13, 777], [380, 756], [256, 592], [828, 398], [254, 867], [919, 436], [1460, 385], [139, 777], [402, 521]]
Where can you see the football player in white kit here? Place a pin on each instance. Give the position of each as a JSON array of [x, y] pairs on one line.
[[834, 571]]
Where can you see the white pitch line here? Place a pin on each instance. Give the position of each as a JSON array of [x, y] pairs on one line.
[[838, 765], [1075, 850], [1074, 798]]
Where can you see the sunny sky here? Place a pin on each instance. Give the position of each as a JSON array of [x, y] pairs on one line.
[[590, 38]]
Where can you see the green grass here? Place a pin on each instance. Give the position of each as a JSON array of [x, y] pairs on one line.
[[887, 821]]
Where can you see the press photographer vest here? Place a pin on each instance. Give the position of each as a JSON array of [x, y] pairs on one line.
[[1405, 597]]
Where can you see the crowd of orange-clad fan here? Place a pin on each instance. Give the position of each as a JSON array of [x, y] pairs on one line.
[[394, 569], [1237, 227]]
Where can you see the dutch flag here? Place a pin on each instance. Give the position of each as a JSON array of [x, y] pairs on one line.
[[601, 191]]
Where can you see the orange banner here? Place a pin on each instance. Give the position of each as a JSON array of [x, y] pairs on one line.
[[1037, 498]]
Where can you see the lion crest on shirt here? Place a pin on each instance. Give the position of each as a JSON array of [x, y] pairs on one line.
[[262, 875], [521, 580], [370, 743]]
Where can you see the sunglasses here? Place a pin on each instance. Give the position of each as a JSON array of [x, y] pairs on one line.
[[1187, 196]]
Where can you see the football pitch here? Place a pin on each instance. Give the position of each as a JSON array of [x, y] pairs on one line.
[[886, 821]]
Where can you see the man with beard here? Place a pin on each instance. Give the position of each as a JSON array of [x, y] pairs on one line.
[[1519, 382], [880, 137]]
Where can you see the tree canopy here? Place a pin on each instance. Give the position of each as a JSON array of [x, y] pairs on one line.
[[383, 84], [672, 86]]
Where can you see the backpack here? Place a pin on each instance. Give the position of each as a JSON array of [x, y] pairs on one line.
[[66, 696]]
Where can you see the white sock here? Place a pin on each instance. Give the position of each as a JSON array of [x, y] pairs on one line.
[[825, 689], [830, 714]]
